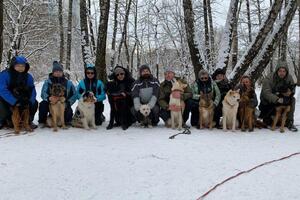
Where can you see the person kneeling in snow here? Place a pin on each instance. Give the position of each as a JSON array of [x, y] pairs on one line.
[[57, 77], [269, 95], [16, 75], [164, 97], [145, 90], [91, 84], [119, 97]]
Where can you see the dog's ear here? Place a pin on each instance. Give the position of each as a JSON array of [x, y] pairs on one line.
[[238, 90]]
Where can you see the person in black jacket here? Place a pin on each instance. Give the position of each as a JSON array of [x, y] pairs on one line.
[[119, 97]]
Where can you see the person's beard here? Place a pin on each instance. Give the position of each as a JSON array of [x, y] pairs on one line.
[[146, 76]]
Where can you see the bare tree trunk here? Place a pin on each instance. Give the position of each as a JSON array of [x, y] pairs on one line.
[[283, 43], [135, 46], [92, 34], [249, 21], [69, 35], [85, 43], [206, 34], [226, 40], [298, 74], [124, 32], [259, 12], [267, 51], [211, 30], [102, 36], [1, 31], [115, 29], [190, 34], [257, 44], [61, 32]]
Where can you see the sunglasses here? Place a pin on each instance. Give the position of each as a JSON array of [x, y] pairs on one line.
[[204, 78], [121, 74], [90, 73]]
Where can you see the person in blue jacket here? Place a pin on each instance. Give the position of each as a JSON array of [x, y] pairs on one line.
[[91, 84], [16, 75], [57, 76]]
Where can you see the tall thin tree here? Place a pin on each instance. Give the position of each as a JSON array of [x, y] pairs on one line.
[[85, 43], [61, 31], [1, 30], [69, 35], [101, 43], [226, 40], [190, 34]]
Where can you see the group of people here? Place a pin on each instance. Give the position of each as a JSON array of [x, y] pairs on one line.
[[126, 95]]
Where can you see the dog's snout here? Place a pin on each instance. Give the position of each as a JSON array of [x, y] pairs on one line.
[[238, 100]]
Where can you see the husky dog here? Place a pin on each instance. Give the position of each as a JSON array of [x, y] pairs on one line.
[[176, 104], [230, 109]]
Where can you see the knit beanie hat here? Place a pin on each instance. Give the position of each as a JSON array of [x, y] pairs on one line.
[[57, 67], [119, 70], [143, 67], [169, 69]]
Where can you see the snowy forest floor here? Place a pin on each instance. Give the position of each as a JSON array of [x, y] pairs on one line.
[[142, 164]]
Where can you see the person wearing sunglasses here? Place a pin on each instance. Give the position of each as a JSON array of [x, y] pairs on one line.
[[118, 90], [203, 84], [91, 84], [57, 77]]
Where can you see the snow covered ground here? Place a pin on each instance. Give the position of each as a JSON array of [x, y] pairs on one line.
[[143, 164]]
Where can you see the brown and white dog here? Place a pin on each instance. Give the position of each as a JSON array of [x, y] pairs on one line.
[[57, 107], [84, 116], [176, 104], [230, 109], [20, 113], [206, 110], [284, 108]]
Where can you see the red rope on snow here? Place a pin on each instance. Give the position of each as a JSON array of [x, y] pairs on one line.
[[244, 172]]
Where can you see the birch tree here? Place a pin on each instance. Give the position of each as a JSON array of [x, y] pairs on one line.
[[226, 40], [263, 58], [85, 43], [257, 44]]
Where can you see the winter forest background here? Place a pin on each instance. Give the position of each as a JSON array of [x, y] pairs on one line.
[[243, 36]]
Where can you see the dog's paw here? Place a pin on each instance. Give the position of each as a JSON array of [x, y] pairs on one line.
[[150, 126], [55, 129]]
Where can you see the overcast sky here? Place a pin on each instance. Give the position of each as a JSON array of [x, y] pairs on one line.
[[221, 8]]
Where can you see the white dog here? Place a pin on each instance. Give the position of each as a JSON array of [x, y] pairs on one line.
[[176, 104], [145, 110], [230, 109], [84, 116]]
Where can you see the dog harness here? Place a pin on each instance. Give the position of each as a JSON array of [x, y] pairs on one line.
[[176, 94]]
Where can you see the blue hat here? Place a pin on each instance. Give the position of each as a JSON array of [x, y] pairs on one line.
[[21, 60], [57, 67], [90, 65]]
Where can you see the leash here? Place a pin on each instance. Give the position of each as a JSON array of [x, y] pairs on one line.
[[186, 131], [245, 172]]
